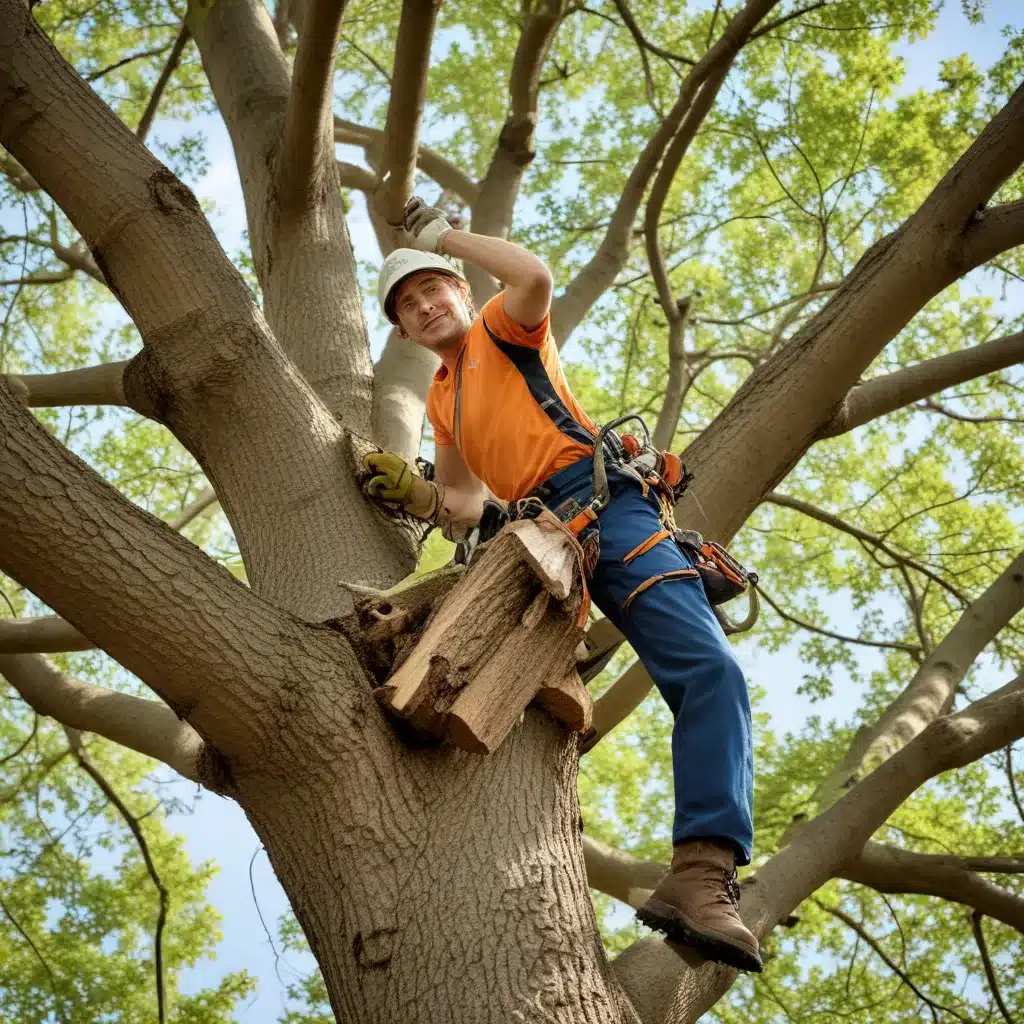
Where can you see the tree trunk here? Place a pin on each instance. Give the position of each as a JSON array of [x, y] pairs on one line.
[[435, 885]]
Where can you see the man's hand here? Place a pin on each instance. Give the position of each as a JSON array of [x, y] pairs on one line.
[[393, 483], [425, 225]]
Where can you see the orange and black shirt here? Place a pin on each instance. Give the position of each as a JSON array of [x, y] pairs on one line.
[[518, 421]]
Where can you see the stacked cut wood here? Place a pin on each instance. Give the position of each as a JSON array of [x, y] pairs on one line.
[[461, 653]]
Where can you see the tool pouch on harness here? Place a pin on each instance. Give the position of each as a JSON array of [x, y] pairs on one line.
[[723, 577]]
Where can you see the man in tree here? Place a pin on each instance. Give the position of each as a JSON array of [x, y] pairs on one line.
[[505, 419]]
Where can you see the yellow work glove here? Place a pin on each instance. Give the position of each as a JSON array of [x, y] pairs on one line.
[[393, 483]]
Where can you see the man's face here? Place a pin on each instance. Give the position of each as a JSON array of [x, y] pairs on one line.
[[431, 310]]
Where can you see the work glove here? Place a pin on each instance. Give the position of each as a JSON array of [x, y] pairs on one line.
[[425, 225], [391, 481]]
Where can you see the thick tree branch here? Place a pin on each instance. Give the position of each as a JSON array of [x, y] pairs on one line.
[[173, 60], [308, 131], [889, 869], [680, 374], [451, 178], [781, 407], [44, 634], [992, 231], [405, 106], [207, 348], [618, 702], [813, 512], [100, 562], [50, 634], [136, 830], [400, 380], [619, 874], [930, 693], [599, 273], [354, 176], [146, 726], [91, 385], [897, 390], [493, 208], [654, 977]]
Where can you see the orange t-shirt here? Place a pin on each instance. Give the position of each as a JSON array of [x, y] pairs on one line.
[[514, 403]]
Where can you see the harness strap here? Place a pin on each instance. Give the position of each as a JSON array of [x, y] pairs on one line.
[[642, 548], [675, 574]]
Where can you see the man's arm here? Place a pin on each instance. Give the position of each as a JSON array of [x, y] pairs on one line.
[[462, 494], [527, 280]]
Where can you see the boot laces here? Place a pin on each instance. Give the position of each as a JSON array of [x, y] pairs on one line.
[[732, 889]]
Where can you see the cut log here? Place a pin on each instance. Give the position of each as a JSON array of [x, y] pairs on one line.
[[461, 636], [547, 551], [505, 635], [537, 649], [566, 698]]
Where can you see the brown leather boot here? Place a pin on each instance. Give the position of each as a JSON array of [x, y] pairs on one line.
[[696, 903]]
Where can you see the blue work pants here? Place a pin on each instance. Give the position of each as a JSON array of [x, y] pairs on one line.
[[675, 634]]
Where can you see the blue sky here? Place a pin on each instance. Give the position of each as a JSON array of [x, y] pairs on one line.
[[216, 829]]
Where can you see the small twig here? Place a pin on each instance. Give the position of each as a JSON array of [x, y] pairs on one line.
[[979, 938], [860, 930], [35, 949], [75, 739], [1015, 796], [173, 59], [894, 645]]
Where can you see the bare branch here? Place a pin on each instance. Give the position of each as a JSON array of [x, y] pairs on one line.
[[308, 135], [136, 830], [642, 41], [16, 174], [619, 874], [871, 941], [778, 22], [889, 869], [451, 178], [91, 385], [930, 693], [405, 106], [173, 59], [146, 726], [979, 937], [494, 204], [892, 645], [1012, 781], [992, 231], [354, 176], [813, 512], [59, 1010], [894, 391], [618, 702], [205, 501], [598, 274], [46, 634], [929, 405]]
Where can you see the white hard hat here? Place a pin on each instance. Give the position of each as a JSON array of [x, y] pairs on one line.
[[402, 263]]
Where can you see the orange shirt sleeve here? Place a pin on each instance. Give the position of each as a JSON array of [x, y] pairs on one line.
[[441, 435], [495, 317]]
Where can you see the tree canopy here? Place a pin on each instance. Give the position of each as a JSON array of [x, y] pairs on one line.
[[698, 228]]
